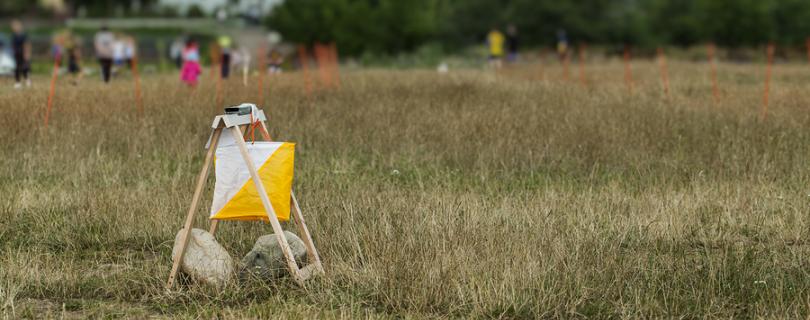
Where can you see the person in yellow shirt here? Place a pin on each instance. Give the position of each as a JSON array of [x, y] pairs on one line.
[[495, 41], [225, 44]]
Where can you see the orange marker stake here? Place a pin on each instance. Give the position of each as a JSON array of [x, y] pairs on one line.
[[713, 66], [262, 65], [582, 79], [317, 60], [320, 56], [771, 51], [304, 60], [628, 74], [138, 99], [566, 62], [52, 91]]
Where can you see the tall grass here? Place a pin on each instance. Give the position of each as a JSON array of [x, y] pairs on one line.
[[472, 194]]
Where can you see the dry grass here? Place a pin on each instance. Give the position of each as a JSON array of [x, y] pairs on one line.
[[464, 195]]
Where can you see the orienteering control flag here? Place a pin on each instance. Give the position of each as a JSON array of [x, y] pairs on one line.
[[235, 194]]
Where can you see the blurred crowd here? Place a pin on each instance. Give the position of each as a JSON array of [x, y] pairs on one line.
[[117, 52]]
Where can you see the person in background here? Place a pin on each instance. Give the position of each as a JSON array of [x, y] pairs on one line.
[[241, 57], [65, 44], [225, 44], [512, 43], [275, 62], [176, 52], [74, 56], [21, 48], [562, 44], [191, 63], [58, 46], [495, 41], [103, 43]]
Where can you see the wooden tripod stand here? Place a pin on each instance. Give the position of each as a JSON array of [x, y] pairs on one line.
[[237, 125]]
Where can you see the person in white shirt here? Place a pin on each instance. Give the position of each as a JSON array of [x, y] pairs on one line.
[[103, 43]]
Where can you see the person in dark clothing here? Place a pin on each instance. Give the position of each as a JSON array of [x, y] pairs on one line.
[[103, 43], [511, 43], [225, 64], [74, 56], [21, 48], [225, 45]]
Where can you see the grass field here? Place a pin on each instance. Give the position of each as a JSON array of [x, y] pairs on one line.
[[466, 195]]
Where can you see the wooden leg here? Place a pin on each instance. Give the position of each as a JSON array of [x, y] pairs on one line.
[[303, 231], [282, 241], [265, 133], [312, 253], [214, 224], [244, 130], [194, 201]]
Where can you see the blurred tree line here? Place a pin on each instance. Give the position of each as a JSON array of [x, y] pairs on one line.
[[88, 8], [391, 26]]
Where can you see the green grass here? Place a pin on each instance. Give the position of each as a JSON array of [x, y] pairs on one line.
[[468, 195]]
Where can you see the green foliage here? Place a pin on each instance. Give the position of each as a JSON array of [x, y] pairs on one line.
[[737, 22], [13, 7], [93, 8], [388, 26], [195, 12], [10, 9]]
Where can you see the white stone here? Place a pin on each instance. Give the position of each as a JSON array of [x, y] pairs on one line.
[[205, 260]]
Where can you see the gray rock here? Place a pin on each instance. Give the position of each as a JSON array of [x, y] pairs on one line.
[[266, 260], [205, 259]]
